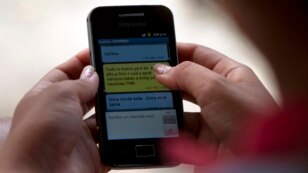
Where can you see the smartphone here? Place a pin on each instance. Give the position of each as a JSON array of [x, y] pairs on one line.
[[134, 112]]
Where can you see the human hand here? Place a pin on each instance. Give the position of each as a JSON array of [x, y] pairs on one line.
[[226, 91], [47, 132]]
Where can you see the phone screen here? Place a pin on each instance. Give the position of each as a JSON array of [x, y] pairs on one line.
[[134, 112], [137, 106]]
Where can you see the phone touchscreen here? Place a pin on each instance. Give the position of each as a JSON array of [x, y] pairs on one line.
[[137, 105]]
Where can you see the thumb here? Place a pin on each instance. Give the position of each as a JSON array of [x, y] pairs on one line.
[[189, 77], [85, 87]]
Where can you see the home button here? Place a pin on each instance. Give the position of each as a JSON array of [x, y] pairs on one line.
[[145, 150]]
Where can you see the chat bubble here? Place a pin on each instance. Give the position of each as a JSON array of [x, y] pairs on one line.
[[155, 100], [141, 124], [131, 77], [135, 53], [134, 49]]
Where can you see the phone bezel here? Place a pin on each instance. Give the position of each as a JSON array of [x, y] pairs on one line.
[[159, 19]]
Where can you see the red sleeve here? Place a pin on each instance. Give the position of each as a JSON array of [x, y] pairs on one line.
[[283, 133]]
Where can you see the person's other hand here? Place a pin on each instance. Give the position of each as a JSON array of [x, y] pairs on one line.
[[226, 91], [48, 133]]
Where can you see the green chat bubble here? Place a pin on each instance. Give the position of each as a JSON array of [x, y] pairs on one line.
[[132, 77]]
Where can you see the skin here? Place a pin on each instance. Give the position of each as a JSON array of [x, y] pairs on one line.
[[41, 128], [229, 92], [225, 83], [47, 132], [226, 91]]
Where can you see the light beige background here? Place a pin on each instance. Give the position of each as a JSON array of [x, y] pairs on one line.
[[36, 35]]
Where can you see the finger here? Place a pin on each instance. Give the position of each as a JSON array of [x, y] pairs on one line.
[[188, 97], [68, 70], [191, 78], [189, 150], [197, 127], [192, 123], [104, 169], [86, 87], [207, 57], [91, 123], [88, 106], [82, 90], [71, 69]]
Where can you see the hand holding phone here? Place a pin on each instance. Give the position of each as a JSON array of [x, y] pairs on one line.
[[134, 112]]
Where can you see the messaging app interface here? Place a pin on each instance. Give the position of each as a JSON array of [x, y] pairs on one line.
[[137, 106]]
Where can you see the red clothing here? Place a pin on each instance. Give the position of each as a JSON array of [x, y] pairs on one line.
[[284, 133]]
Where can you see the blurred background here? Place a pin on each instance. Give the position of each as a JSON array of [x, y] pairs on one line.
[[37, 35]]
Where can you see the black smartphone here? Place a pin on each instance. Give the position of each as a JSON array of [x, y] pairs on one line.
[[134, 112]]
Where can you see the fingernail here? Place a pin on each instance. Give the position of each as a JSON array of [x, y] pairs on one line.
[[87, 72], [161, 68]]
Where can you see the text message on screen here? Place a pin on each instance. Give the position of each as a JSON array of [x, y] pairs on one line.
[[134, 101], [131, 77], [142, 124], [137, 106], [134, 49]]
